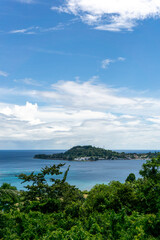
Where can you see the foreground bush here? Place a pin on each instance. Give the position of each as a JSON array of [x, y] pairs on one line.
[[59, 211]]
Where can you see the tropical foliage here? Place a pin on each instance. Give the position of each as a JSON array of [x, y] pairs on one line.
[[50, 210], [90, 153]]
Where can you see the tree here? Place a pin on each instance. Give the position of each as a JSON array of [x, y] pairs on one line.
[[40, 189], [47, 198], [131, 177], [9, 196], [8, 186], [151, 169]]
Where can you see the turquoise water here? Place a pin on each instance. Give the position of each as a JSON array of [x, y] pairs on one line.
[[83, 175]]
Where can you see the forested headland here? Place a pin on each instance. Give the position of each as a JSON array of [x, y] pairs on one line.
[[90, 153], [44, 211]]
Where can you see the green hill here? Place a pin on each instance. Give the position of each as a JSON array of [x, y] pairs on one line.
[[90, 153]]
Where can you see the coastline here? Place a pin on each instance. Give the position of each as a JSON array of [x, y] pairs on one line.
[[83, 175], [91, 153]]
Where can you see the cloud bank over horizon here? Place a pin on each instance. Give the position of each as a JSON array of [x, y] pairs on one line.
[[72, 113], [115, 15], [63, 82]]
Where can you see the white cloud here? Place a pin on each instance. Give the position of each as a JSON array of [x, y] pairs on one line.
[[59, 9], [37, 29], [19, 31], [114, 15], [29, 30], [28, 81], [89, 95], [106, 62], [3, 74], [73, 113], [27, 113], [59, 26]]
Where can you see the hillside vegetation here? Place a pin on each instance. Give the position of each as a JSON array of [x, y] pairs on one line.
[[89, 153]]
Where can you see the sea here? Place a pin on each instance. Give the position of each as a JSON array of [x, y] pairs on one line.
[[83, 175]]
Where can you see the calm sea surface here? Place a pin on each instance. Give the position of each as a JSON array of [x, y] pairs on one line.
[[82, 174]]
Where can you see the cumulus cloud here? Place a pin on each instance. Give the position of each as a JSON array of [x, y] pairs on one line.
[[115, 15], [88, 95], [73, 113], [27, 113]]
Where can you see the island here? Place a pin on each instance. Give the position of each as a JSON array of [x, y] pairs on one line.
[[90, 153]]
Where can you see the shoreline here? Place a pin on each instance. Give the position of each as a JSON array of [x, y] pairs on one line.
[[69, 160], [90, 153]]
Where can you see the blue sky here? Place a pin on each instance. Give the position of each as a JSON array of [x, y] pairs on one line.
[[79, 72]]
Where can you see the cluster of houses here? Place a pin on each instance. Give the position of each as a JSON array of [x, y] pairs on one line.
[[82, 159]]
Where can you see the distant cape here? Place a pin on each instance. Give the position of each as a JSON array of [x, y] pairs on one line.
[[90, 153]]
